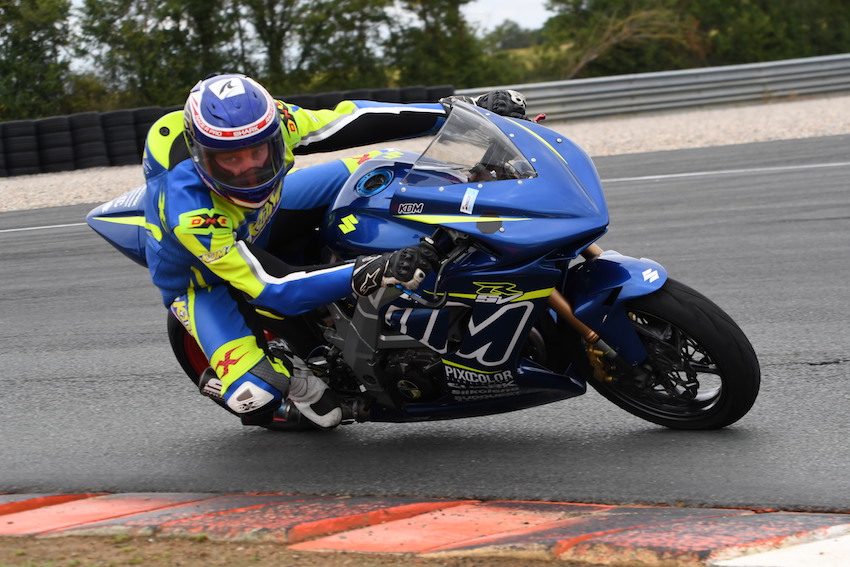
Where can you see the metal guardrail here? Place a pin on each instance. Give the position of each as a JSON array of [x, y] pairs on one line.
[[579, 98]]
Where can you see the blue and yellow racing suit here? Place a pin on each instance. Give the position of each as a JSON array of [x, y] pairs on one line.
[[207, 256]]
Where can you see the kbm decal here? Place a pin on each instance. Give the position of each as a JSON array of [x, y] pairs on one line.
[[264, 215], [214, 256], [410, 208]]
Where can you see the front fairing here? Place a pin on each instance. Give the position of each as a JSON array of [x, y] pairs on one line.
[[544, 193]]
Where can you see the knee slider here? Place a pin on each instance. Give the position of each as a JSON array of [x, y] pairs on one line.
[[258, 390]]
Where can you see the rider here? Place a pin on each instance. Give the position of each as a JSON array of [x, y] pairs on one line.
[[215, 202]]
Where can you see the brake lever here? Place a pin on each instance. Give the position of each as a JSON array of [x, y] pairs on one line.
[[415, 297], [460, 249]]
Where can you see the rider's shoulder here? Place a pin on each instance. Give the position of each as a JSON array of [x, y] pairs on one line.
[[165, 146]]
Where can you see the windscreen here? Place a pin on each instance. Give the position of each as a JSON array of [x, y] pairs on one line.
[[468, 149]]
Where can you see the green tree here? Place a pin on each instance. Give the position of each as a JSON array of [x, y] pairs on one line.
[[33, 34], [341, 47], [602, 37], [510, 35], [274, 24], [766, 30], [153, 51], [437, 45]]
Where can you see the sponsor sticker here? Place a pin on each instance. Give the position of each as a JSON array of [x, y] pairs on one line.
[[204, 221], [469, 385], [468, 202], [410, 208]]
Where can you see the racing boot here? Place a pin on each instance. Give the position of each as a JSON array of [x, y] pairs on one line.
[[313, 398], [210, 385]]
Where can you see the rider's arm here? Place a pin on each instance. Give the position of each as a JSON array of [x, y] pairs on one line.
[[358, 123], [264, 279]]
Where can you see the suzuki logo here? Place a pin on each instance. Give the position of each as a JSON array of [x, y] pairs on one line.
[[347, 224], [650, 275]]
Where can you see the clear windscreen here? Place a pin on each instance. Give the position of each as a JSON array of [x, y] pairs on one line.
[[468, 149]]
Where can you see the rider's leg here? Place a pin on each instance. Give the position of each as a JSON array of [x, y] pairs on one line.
[[253, 383]]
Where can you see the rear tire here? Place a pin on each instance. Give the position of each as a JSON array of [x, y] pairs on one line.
[[702, 370]]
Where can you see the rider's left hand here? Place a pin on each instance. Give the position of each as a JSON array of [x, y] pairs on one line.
[[505, 103]]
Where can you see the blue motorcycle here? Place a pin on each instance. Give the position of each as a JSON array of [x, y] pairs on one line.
[[524, 309]]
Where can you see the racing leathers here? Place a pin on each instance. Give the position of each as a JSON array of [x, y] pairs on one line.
[[208, 256]]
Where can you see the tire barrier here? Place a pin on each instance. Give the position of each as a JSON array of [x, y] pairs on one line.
[[119, 133], [3, 172], [93, 139], [89, 140], [55, 144], [20, 145]]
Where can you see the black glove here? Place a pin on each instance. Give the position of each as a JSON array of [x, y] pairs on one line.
[[407, 267], [505, 103]]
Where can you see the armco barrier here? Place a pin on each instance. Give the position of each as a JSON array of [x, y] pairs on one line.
[[92, 139], [581, 98]]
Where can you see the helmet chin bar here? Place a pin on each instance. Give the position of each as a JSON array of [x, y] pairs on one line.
[[242, 203]]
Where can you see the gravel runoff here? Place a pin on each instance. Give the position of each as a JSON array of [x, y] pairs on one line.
[[622, 134]]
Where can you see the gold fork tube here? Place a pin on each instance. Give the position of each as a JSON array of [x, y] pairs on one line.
[[563, 308]]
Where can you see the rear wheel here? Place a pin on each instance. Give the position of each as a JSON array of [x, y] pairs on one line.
[[701, 372]]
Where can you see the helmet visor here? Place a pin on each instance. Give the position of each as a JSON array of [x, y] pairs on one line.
[[243, 170]]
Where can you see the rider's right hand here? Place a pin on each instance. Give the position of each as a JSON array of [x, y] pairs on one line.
[[406, 267]]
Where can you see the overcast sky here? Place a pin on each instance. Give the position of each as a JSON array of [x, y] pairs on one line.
[[529, 14]]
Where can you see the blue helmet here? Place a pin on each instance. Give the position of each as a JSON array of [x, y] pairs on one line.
[[233, 130]]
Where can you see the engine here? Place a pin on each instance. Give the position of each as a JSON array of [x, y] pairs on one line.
[[415, 374]]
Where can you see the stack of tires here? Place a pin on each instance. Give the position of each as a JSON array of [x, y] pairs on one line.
[[55, 145], [119, 133], [92, 139], [20, 147], [89, 140]]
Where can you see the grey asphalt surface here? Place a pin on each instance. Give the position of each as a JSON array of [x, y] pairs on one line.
[[92, 399]]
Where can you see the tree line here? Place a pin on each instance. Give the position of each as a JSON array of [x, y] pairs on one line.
[[67, 56]]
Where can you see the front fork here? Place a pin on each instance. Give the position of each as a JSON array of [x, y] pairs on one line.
[[597, 348]]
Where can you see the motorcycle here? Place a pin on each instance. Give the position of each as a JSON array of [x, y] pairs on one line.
[[524, 310]]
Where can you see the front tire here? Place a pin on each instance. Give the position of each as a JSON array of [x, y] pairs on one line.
[[701, 372]]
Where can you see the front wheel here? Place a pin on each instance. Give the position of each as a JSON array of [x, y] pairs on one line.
[[701, 372]]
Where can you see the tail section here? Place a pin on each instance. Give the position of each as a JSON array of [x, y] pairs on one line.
[[122, 223]]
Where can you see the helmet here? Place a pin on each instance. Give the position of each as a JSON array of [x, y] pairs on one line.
[[232, 128]]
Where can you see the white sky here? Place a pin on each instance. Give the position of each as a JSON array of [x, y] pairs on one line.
[[529, 14]]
